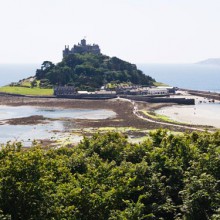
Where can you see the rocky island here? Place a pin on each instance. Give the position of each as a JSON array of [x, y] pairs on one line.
[[86, 68]]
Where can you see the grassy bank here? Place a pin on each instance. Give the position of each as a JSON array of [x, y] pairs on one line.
[[26, 91], [162, 118], [159, 84]]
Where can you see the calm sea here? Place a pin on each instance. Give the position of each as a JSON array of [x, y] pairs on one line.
[[14, 72], [189, 76]]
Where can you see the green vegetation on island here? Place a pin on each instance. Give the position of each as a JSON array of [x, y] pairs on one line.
[[159, 84], [36, 91], [91, 71], [84, 68], [105, 177], [29, 86]]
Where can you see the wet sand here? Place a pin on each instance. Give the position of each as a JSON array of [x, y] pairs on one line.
[[199, 114], [122, 108]]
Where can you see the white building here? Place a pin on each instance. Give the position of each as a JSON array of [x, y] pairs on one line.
[[157, 91]]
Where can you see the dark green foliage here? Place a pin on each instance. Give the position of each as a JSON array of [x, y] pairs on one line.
[[45, 83], [34, 83], [106, 177], [89, 71]]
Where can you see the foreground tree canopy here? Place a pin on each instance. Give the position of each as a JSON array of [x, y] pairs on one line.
[[105, 177], [89, 71]]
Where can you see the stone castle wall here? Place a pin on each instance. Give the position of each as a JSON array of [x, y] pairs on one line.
[[82, 48]]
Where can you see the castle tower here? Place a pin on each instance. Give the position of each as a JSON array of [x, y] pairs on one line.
[[83, 42], [81, 48], [66, 51]]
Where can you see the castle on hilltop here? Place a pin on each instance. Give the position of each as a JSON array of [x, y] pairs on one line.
[[82, 48]]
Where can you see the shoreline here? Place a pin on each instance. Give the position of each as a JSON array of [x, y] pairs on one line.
[[204, 94], [122, 107], [125, 121], [128, 120]]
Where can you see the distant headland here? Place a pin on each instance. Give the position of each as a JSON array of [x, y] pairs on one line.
[[210, 61]]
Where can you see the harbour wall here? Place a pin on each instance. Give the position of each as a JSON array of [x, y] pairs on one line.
[[74, 96], [208, 95], [182, 101], [88, 96]]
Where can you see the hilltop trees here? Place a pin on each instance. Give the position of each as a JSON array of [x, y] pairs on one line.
[[106, 177], [91, 71]]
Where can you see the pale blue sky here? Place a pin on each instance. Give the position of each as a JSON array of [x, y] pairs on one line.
[[139, 31]]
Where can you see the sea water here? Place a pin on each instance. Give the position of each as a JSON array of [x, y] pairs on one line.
[[9, 112], [15, 72], [50, 129], [188, 76]]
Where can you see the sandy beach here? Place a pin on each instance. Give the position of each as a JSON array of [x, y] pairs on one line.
[[204, 112]]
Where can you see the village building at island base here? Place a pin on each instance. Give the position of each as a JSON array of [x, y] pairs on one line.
[[152, 95]]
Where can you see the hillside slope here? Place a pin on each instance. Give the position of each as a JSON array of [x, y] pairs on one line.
[[89, 71]]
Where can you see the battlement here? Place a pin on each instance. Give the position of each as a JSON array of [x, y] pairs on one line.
[[82, 48]]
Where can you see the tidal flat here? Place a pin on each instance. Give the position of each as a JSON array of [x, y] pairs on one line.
[[26, 123], [205, 112], [66, 121]]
